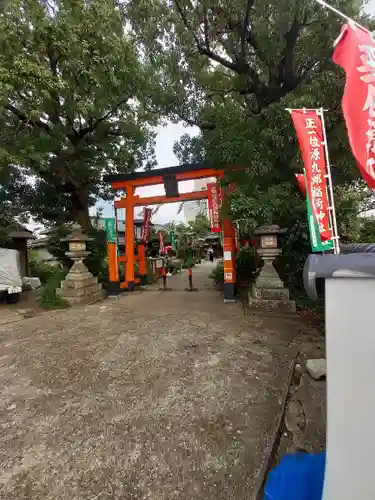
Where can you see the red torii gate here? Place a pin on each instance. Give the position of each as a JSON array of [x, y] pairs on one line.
[[170, 177]]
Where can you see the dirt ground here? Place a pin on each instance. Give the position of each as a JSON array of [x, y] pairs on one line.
[[150, 396], [26, 307]]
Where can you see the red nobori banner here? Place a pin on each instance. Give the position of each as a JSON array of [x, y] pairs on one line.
[[146, 225], [355, 53], [161, 241], [310, 137], [214, 206]]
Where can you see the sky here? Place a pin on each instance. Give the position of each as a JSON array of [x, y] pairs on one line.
[[166, 137]]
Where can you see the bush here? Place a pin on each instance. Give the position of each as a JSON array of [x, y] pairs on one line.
[[247, 264], [217, 274], [49, 299], [174, 265], [41, 270], [180, 254], [295, 249]]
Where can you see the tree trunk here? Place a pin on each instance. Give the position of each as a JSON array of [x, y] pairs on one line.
[[80, 208]]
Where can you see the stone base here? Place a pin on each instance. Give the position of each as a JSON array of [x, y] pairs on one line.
[[229, 293], [287, 306], [268, 293], [80, 286]]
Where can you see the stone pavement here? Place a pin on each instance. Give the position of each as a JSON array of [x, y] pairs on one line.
[[150, 396]]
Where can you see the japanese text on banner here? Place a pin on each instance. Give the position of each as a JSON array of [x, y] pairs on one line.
[[214, 205], [355, 53], [146, 225], [310, 136], [368, 76]]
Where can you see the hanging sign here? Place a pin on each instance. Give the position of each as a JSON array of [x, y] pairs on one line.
[[310, 137], [110, 229], [355, 53], [214, 206], [146, 225]]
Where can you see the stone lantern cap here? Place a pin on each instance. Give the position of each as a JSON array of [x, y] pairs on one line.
[[76, 234], [269, 229]]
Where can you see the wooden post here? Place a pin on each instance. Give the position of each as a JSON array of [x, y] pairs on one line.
[[164, 277], [190, 275], [129, 238]]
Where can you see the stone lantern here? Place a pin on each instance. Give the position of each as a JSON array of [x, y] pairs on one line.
[[268, 291], [79, 286]]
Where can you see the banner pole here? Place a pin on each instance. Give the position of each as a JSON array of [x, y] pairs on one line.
[[332, 208], [117, 231], [341, 14], [304, 109]]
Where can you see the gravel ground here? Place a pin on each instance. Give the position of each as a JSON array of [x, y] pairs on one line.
[[151, 396]]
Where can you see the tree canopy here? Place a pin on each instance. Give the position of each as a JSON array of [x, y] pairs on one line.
[[82, 84], [232, 68], [200, 225], [73, 94]]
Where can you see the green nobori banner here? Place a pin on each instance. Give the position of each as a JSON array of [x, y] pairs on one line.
[[317, 245], [110, 228], [172, 237]]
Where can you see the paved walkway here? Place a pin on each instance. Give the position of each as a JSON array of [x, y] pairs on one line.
[[151, 396], [201, 280]]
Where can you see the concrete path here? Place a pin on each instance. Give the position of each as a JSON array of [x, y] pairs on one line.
[[151, 396]]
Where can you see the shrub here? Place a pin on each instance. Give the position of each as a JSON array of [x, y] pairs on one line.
[[174, 265], [49, 299], [295, 249], [217, 274], [247, 264], [180, 254], [41, 270]]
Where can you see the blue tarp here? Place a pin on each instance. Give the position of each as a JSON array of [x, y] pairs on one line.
[[298, 477]]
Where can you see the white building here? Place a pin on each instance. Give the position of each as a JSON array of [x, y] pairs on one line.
[[193, 208]]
